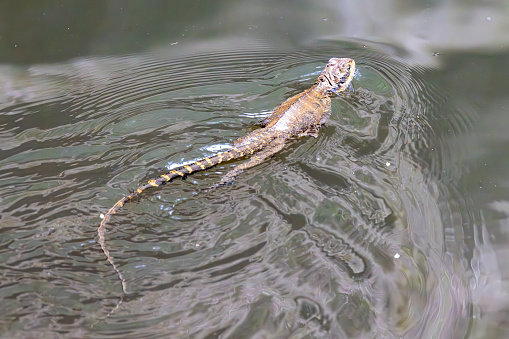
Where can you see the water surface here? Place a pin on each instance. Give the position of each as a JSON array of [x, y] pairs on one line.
[[387, 225]]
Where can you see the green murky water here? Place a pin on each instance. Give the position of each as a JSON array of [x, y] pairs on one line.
[[390, 224]]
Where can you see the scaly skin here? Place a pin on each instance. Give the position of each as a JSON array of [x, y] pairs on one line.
[[300, 115]]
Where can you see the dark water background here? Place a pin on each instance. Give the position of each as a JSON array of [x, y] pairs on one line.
[[393, 223]]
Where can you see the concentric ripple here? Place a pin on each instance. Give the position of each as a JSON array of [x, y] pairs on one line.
[[353, 234]]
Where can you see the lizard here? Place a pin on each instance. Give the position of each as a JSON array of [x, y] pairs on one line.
[[301, 115]]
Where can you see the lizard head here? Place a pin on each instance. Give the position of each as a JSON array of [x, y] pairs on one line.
[[337, 75]]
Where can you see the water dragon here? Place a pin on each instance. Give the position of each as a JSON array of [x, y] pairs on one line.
[[302, 114]]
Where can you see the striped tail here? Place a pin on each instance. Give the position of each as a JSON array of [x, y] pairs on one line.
[[200, 165]]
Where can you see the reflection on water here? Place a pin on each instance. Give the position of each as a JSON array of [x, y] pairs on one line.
[[363, 232]]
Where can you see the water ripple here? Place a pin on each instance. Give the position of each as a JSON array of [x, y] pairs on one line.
[[360, 232]]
